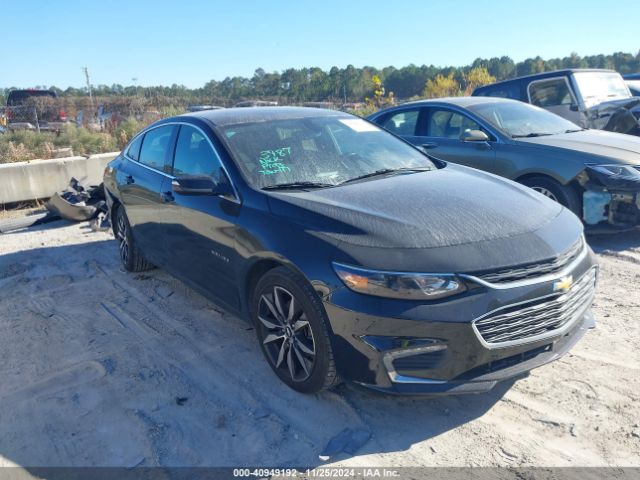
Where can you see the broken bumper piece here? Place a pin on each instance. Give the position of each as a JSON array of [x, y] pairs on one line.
[[620, 209], [78, 203], [611, 195]]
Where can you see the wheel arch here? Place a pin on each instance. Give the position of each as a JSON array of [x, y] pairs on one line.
[[537, 173], [573, 182], [113, 211], [258, 266]]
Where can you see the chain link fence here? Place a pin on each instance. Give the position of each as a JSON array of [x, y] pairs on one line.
[[33, 117], [53, 114]]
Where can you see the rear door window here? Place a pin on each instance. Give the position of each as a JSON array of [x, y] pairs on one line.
[[402, 123], [550, 93], [157, 148], [194, 155]]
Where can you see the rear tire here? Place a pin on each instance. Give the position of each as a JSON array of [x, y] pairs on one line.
[[130, 255], [565, 195], [291, 325]]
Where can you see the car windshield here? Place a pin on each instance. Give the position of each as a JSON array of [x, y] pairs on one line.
[[598, 87], [317, 151], [520, 119]]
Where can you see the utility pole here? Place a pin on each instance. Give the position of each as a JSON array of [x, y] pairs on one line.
[[86, 74]]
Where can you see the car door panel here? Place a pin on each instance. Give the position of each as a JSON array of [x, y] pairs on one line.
[[140, 189], [442, 139], [556, 95], [141, 182], [200, 234], [199, 230]]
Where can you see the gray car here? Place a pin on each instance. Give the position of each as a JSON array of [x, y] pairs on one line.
[[594, 173]]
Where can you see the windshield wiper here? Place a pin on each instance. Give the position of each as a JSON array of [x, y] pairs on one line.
[[297, 185], [531, 135], [575, 130], [386, 171]]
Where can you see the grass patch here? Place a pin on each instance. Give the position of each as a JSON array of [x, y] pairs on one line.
[[24, 145]]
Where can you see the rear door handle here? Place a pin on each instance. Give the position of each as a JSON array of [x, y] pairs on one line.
[[129, 179], [430, 145], [167, 197]]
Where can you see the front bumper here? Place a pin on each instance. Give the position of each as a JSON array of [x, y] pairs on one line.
[[409, 347], [617, 208]]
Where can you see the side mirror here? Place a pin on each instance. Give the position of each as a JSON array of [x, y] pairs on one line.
[[474, 136], [199, 185], [573, 107]]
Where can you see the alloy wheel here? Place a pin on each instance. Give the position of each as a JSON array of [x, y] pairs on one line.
[[547, 193], [123, 237], [286, 334]]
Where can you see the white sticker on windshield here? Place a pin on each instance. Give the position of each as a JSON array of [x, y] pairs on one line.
[[359, 125]]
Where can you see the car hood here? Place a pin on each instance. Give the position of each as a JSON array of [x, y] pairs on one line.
[[460, 216], [612, 147], [630, 103]]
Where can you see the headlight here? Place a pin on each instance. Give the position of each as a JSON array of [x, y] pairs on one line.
[[622, 171], [402, 285]]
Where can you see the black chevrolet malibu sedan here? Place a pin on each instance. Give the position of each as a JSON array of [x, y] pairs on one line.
[[354, 254]]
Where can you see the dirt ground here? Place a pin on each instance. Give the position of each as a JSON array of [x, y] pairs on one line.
[[99, 367]]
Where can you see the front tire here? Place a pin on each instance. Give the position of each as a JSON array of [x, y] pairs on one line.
[[291, 325], [565, 195], [130, 255]]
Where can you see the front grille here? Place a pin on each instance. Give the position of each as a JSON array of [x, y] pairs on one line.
[[534, 270], [539, 317]]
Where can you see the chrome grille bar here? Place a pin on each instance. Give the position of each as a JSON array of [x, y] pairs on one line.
[[542, 317]]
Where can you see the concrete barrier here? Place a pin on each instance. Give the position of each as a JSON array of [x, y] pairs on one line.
[[23, 181]]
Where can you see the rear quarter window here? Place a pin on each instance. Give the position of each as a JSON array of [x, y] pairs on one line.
[[134, 148]]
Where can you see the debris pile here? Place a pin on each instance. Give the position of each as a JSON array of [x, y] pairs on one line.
[[78, 202]]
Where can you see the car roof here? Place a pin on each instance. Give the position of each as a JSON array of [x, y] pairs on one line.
[[552, 73], [457, 101], [233, 116]]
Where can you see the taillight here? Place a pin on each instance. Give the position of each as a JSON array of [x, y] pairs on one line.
[[63, 115], [9, 114]]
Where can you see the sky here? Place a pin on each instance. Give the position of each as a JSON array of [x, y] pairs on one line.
[[189, 42]]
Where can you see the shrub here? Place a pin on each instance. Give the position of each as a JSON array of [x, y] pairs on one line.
[[126, 130], [442, 86]]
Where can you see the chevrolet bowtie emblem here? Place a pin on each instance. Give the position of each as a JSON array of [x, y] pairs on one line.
[[564, 284]]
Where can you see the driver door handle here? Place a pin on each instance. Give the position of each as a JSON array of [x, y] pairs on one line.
[[430, 145]]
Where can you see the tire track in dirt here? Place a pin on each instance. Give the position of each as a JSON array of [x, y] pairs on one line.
[[198, 362], [56, 381]]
